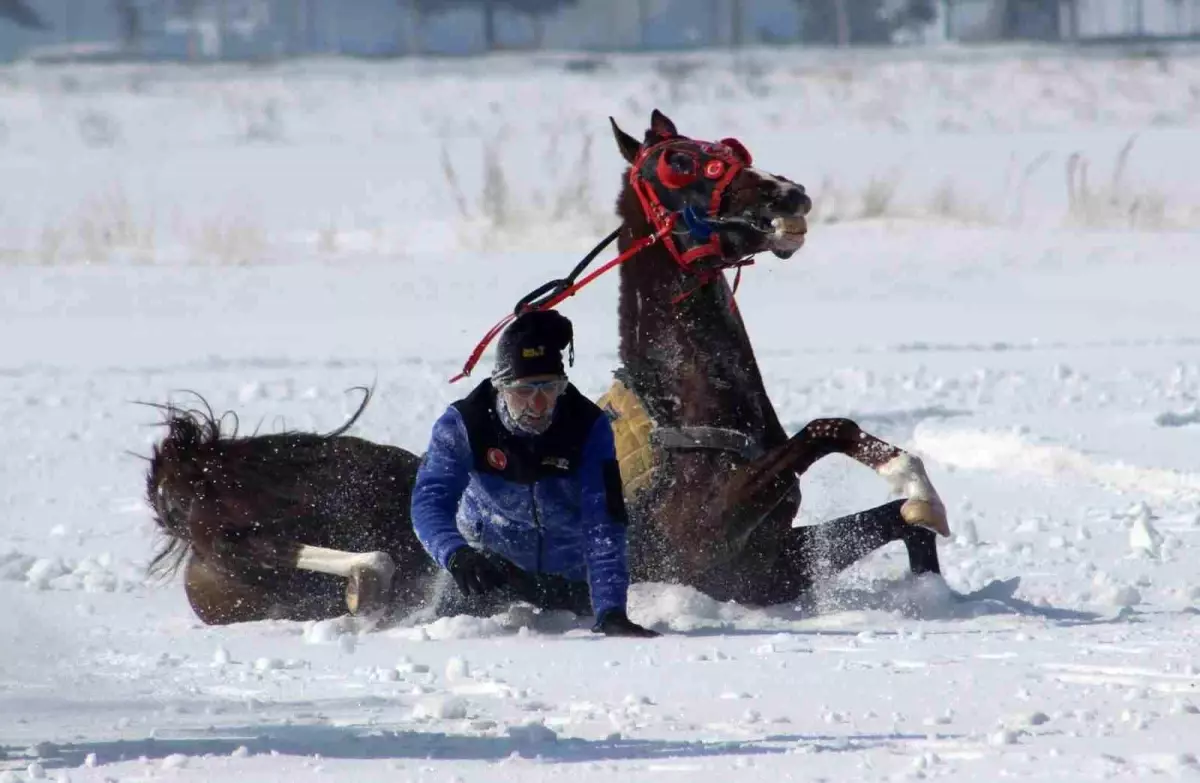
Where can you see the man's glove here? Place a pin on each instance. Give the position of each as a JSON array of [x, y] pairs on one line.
[[472, 572], [614, 622]]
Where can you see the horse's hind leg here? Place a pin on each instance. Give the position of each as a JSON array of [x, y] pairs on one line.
[[221, 598], [218, 599], [368, 575]]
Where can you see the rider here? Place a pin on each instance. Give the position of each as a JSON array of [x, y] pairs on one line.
[[525, 466]]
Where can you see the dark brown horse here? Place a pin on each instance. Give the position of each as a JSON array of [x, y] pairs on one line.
[[719, 514], [289, 526], [286, 525]]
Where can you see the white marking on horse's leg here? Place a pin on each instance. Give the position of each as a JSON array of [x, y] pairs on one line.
[[339, 563], [905, 473]]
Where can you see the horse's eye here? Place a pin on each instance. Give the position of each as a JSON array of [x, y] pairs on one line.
[[681, 162]]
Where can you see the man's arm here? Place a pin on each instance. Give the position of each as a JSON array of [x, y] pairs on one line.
[[604, 521], [441, 480]]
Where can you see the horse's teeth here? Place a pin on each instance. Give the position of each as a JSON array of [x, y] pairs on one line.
[[789, 225]]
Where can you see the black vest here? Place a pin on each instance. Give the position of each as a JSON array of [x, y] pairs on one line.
[[556, 453]]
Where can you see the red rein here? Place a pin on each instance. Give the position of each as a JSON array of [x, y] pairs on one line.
[[632, 251]]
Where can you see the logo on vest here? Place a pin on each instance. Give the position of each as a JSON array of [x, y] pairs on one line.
[[561, 463], [497, 459]]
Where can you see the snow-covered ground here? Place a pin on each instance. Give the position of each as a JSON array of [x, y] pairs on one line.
[[272, 238]]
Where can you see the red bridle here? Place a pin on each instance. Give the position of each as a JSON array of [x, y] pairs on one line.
[[665, 189]]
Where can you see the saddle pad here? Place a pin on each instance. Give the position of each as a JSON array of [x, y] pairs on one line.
[[631, 427]]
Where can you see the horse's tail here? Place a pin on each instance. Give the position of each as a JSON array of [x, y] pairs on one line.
[[188, 480]]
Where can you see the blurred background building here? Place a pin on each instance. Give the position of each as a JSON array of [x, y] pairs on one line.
[[198, 30]]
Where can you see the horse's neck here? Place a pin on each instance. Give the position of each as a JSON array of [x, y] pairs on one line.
[[690, 361]]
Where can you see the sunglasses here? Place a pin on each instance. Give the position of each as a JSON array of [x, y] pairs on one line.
[[525, 390]]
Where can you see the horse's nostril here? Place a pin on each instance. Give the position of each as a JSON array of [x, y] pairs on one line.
[[794, 200]]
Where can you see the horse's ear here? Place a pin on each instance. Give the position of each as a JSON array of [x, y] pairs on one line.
[[661, 125], [629, 146]]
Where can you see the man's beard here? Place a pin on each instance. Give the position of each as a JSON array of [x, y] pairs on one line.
[[524, 423]]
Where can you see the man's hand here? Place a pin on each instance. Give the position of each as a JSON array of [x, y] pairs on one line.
[[472, 572], [615, 622]]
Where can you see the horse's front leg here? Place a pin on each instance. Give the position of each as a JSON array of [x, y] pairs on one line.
[[736, 506], [904, 472], [725, 513], [756, 488]]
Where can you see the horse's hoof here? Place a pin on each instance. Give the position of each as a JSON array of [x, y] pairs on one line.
[[906, 473], [926, 514], [364, 591]]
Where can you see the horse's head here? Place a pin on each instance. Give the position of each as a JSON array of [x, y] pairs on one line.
[[724, 209]]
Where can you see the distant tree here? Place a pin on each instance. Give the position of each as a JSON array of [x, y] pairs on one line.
[[411, 26], [129, 19], [917, 14], [861, 21], [19, 13], [536, 10], [423, 9], [921, 11], [1036, 19], [536, 7], [490, 39], [737, 31]]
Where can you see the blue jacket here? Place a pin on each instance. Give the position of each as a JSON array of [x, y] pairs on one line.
[[553, 514]]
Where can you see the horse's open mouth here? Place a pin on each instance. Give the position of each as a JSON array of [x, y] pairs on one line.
[[788, 233], [796, 225]]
